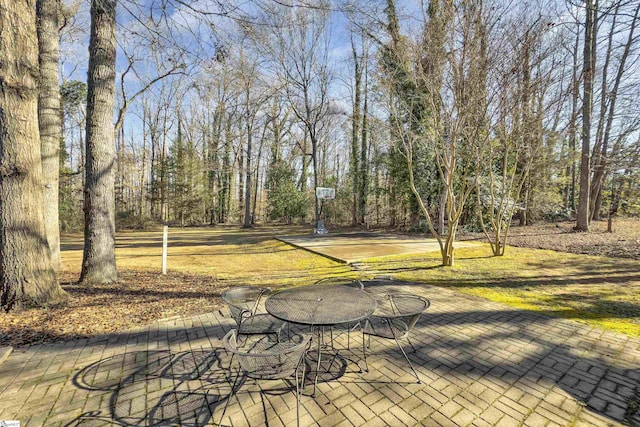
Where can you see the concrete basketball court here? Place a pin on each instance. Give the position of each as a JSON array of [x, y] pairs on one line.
[[353, 247]]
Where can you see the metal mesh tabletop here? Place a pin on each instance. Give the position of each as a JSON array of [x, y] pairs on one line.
[[321, 305], [399, 305]]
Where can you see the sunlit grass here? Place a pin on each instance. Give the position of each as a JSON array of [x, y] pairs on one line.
[[603, 292], [225, 253]]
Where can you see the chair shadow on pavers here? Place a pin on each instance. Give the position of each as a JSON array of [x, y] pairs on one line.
[[153, 388]]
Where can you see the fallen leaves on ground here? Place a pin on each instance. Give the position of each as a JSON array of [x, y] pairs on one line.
[[624, 242], [138, 298]]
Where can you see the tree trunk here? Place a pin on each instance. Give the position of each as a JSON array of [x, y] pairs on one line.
[[49, 120], [143, 168], [241, 184], [258, 180], [99, 261], [247, 194], [582, 223], [225, 188], [120, 168], [213, 164], [364, 151], [597, 203], [26, 273], [355, 132], [448, 252], [442, 211], [575, 82], [314, 161], [602, 156]]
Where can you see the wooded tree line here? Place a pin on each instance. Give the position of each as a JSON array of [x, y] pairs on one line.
[[430, 116]]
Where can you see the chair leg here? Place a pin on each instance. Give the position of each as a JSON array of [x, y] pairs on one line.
[[364, 354], [349, 329], [230, 367], [304, 374], [411, 344], [315, 382], [331, 337], [231, 394], [403, 352], [298, 396]]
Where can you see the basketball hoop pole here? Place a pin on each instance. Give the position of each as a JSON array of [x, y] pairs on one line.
[[322, 194], [320, 228]]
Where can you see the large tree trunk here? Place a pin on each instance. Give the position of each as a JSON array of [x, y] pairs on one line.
[[99, 261], [582, 223], [26, 274], [49, 120]]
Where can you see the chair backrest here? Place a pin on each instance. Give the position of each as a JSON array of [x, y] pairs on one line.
[[343, 281], [408, 308], [265, 359], [243, 300]]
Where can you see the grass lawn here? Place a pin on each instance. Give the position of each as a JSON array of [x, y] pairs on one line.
[[601, 291], [229, 255], [203, 262]]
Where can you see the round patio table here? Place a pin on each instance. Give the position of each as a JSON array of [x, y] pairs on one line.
[[321, 305]]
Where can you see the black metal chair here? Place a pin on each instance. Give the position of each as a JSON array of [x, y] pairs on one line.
[[267, 360], [243, 303], [342, 281], [394, 318]]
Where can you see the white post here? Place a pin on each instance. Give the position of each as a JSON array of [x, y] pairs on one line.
[[165, 238]]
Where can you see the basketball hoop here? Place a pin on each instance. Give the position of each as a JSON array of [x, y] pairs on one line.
[[325, 193]]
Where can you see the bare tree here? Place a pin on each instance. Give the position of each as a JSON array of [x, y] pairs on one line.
[[608, 103], [517, 85], [254, 94], [453, 124], [301, 48]]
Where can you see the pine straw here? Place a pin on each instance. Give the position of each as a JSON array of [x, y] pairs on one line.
[[138, 298], [624, 242]]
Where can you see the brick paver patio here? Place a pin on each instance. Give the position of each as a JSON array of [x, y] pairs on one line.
[[482, 364]]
